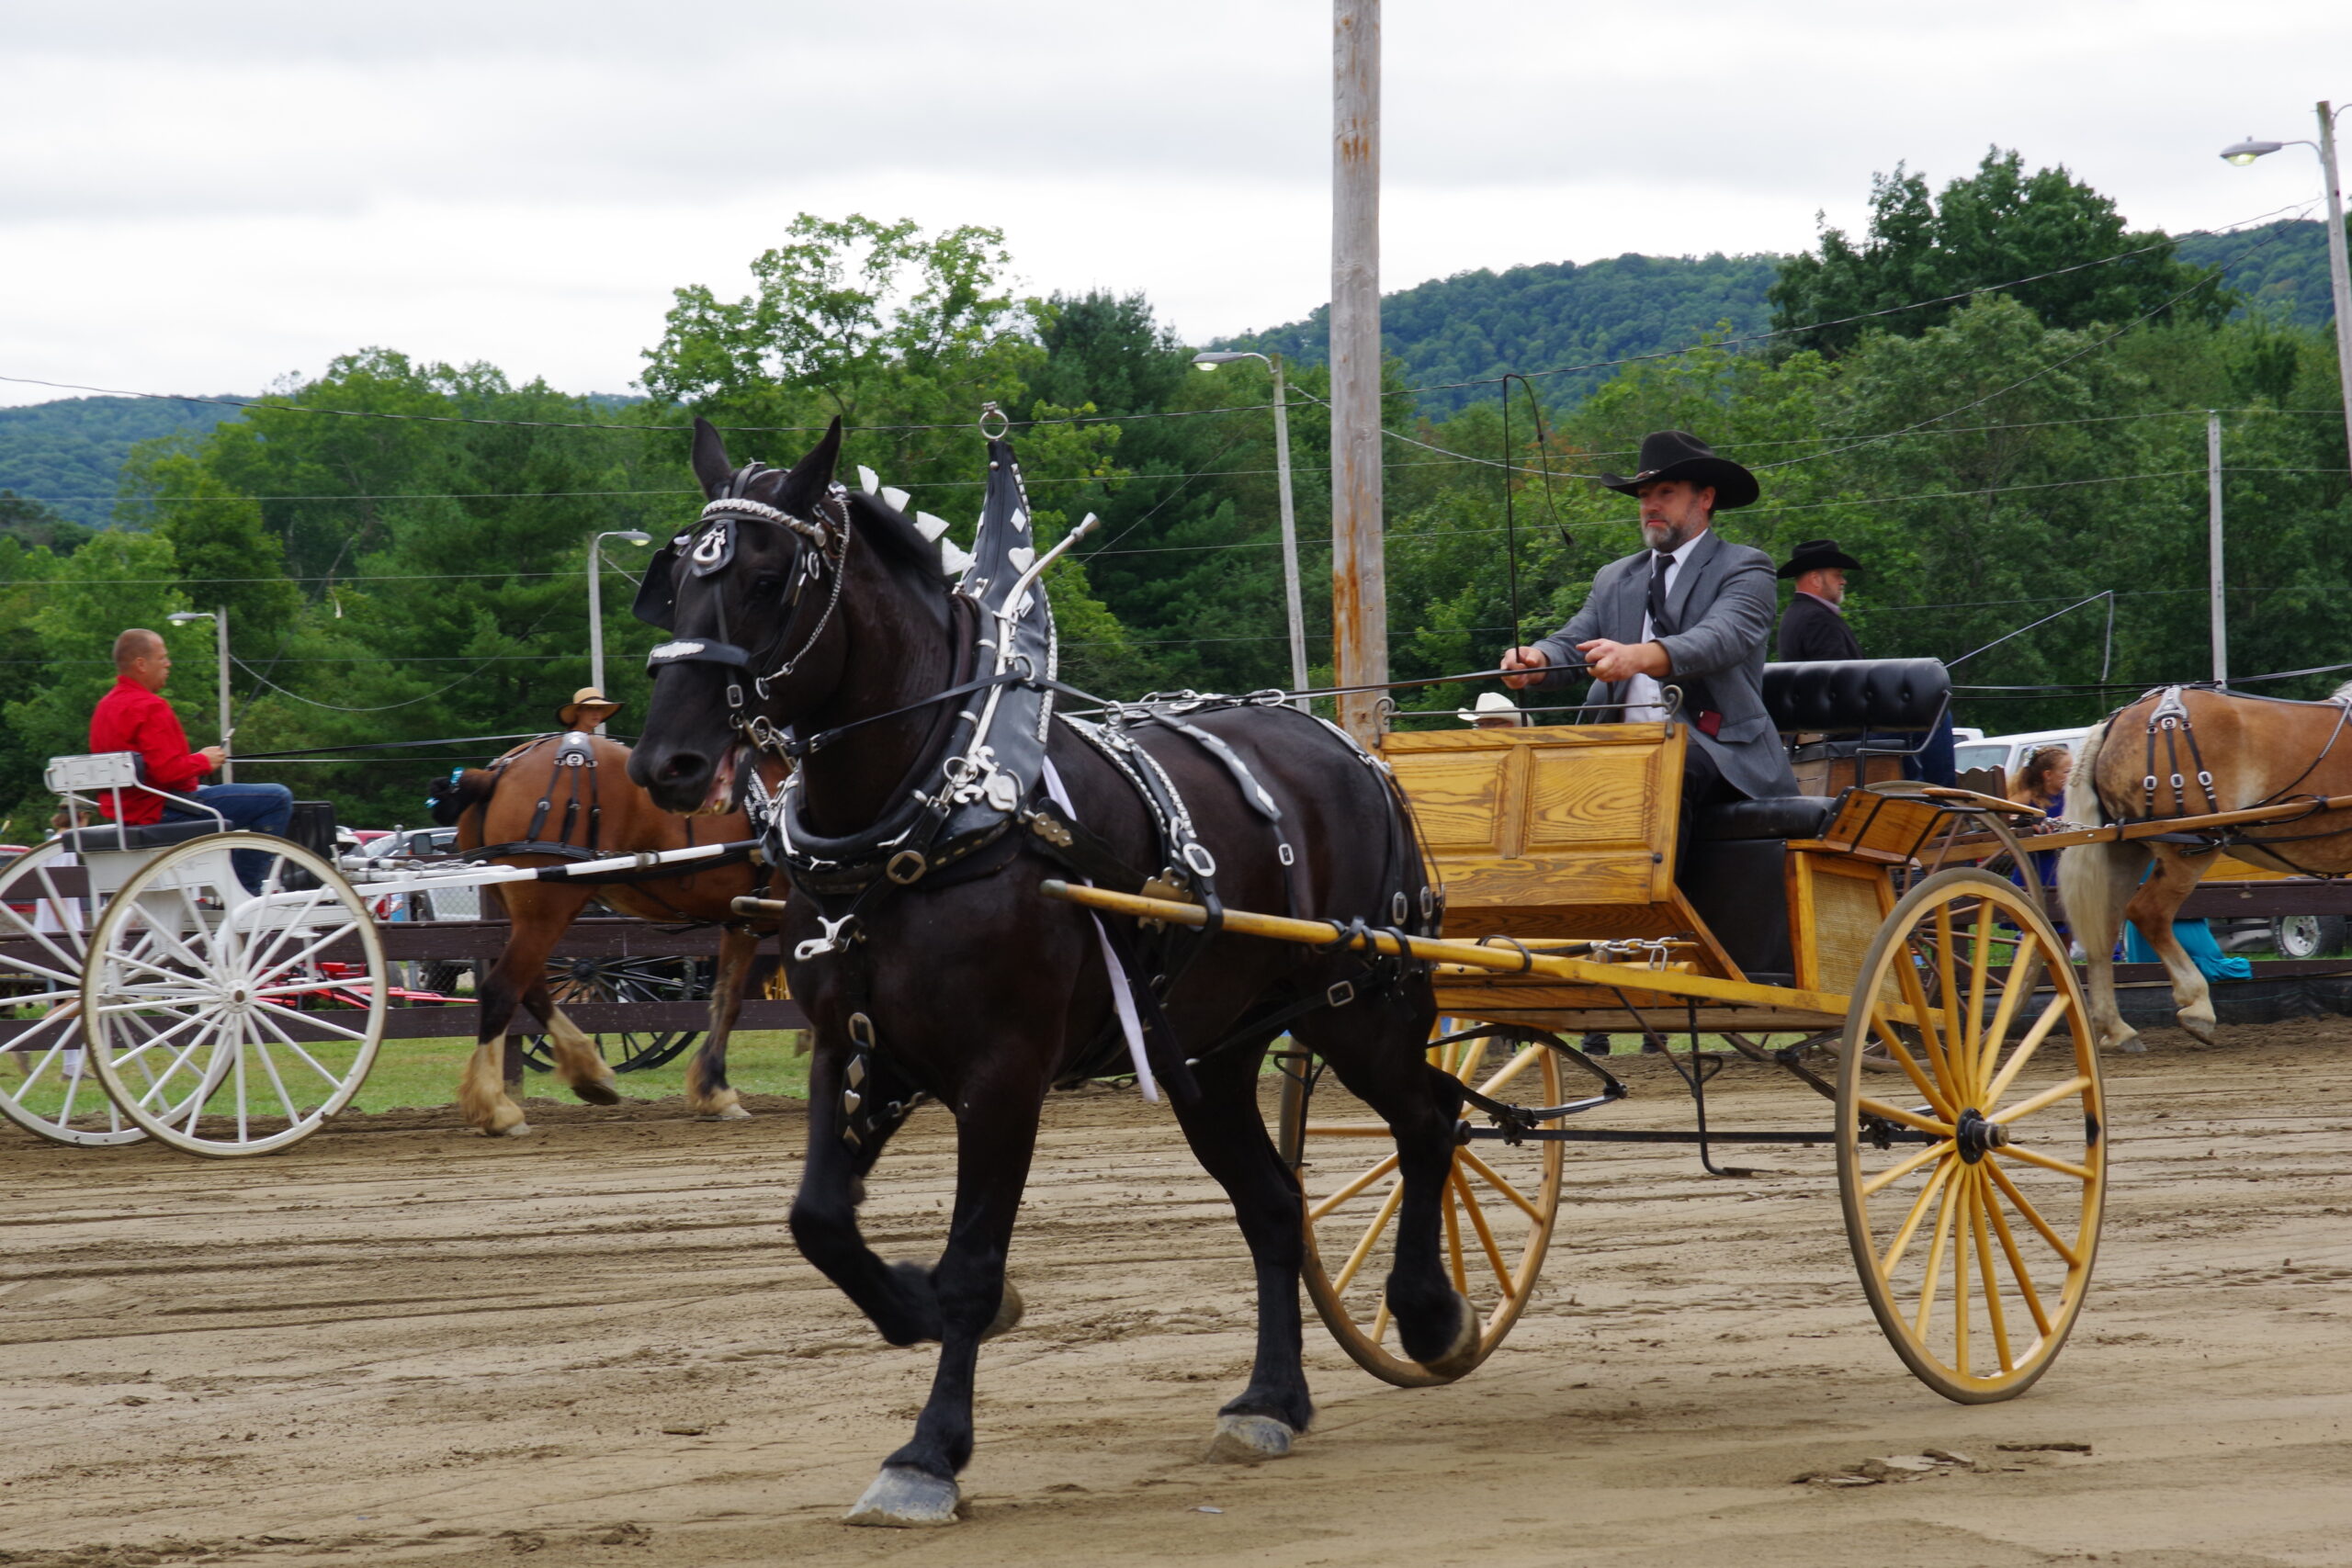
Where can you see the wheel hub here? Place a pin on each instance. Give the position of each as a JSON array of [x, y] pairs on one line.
[[1977, 1137]]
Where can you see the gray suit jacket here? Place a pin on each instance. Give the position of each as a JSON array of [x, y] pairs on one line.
[[1723, 600]]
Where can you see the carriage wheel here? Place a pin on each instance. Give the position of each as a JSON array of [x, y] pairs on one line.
[[1975, 1242], [1500, 1201], [624, 980], [225, 1024], [46, 1087]]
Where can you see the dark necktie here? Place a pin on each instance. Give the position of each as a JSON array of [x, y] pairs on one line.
[[1660, 624]]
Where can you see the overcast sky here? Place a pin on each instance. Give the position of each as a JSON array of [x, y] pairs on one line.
[[200, 198]]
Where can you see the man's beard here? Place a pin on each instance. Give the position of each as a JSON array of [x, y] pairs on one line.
[[1665, 536]]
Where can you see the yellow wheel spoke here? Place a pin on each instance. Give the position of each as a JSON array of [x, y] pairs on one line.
[[2032, 1215], [1486, 1174], [1902, 1241], [1933, 1277], [2047, 1162], [1955, 1038], [1364, 1248], [2015, 987], [1347, 1130], [1902, 1054], [1352, 1189], [1907, 972], [1964, 1193], [2048, 1097], [1453, 1246], [1512, 1069], [1980, 966], [2016, 1266], [2026, 1048], [1908, 1118], [1461, 1185], [1992, 1309], [1902, 1167], [1380, 1321]]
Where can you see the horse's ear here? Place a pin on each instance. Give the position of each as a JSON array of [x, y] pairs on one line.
[[711, 465], [806, 485]]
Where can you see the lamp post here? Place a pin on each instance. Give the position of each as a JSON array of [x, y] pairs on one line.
[[220, 619], [1210, 361], [2339, 269], [596, 602]]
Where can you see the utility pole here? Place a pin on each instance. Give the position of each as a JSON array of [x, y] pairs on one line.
[[2339, 270], [1358, 576], [221, 652], [2214, 547], [1295, 611]]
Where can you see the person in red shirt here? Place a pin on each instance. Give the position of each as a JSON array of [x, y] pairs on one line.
[[133, 716]]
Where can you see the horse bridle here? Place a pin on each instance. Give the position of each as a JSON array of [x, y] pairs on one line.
[[710, 550]]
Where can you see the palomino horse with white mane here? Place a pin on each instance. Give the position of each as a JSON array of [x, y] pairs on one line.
[[2195, 752]]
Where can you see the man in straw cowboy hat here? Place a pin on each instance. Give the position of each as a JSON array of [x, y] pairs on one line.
[[1692, 610], [1491, 711]]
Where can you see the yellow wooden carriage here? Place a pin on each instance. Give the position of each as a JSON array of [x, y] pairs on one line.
[[1967, 1123]]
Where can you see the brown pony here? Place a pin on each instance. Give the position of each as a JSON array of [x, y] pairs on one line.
[[596, 808], [2185, 753]]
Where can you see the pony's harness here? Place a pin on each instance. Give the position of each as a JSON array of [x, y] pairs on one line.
[[2170, 721]]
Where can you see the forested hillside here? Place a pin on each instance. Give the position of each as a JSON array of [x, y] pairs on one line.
[[2286, 273], [68, 454], [1476, 325], [1992, 460]]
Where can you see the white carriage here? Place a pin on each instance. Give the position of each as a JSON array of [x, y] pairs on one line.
[[146, 992]]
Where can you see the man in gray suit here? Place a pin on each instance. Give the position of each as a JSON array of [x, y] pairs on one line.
[[1692, 610]]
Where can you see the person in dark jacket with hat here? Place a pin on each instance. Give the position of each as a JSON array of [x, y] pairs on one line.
[[1814, 625], [1691, 610]]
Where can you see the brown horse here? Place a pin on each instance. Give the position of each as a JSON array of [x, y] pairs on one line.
[[589, 808], [2182, 752]]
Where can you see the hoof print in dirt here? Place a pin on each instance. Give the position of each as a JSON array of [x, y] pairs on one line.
[[1250, 1440], [907, 1499]]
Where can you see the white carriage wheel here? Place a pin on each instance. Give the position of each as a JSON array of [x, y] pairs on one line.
[[229, 1024], [46, 1087]]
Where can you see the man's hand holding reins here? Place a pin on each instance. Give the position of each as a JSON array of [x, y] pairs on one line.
[[1614, 662], [1531, 659]]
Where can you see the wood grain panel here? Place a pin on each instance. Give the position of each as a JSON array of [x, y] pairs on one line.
[[1835, 909], [1460, 798], [1587, 796]]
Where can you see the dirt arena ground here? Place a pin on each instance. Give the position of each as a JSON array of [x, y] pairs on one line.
[[399, 1343]]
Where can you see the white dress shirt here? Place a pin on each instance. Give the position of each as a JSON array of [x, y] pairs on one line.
[[1644, 697]]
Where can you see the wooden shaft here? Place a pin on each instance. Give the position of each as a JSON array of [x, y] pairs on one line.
[[1495, 960], [2114, 831]]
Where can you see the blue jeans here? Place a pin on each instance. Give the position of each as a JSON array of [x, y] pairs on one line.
[[262, 808]]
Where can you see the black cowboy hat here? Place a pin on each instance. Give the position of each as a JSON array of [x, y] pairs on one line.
[[1815, 554], [1679, 455]]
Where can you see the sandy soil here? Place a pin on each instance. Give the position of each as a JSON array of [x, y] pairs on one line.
[[400, 1344]]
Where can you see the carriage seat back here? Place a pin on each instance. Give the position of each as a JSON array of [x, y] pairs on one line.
[[1850, 696], [102, 838]]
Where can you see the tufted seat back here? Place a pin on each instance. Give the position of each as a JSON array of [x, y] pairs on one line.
[[1850, 696]]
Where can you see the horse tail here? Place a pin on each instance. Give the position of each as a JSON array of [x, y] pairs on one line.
[[464, 789], [2095, 882]]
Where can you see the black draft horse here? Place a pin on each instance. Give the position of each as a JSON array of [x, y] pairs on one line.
[[984, 993]]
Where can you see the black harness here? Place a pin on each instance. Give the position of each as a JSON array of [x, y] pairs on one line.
[[2170, 721]]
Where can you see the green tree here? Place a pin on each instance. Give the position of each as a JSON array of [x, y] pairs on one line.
[[1998, 225]]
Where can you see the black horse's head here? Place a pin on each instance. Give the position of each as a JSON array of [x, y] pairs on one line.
[[754, 596]]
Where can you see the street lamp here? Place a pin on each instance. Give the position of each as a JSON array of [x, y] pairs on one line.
[[1210, 361], [596, 603], [220, 619], [2339, 271]]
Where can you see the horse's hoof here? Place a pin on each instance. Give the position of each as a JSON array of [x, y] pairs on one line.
[[1007, 1313], [520, 1130], [599, 1093], [2133, 1047], [2201, 1028], [1250, 1439], [1463, 1354], [906, 1499], [724, 1113]]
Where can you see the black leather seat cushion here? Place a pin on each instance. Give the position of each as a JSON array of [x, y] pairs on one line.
[[1850, 695], [154, 836], [1776, 816]]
